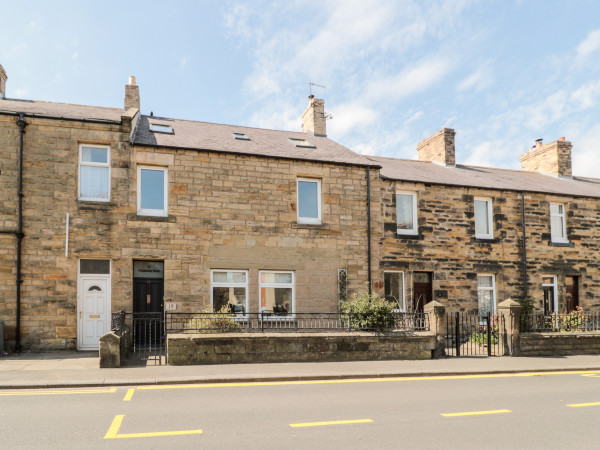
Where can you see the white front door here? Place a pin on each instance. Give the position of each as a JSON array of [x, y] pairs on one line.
[[94, 310]]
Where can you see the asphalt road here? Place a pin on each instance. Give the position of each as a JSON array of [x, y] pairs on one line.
[[481, 411]]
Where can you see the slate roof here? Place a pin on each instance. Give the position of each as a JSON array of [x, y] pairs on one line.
[[484, 177], [64, 110], [218, 137]]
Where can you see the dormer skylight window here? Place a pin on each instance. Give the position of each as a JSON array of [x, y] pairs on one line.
[[241, 136], [159, 128], [301, 143]]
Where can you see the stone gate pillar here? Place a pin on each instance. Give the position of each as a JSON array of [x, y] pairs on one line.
[[510, 310], [437, 323]]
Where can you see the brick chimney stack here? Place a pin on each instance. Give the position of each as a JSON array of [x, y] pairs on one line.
[[438, 148], [3, 79], [552, 159], [313, 118], [132, 94]]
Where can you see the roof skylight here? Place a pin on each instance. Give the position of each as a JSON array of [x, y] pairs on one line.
[[302, 143], [160, 128], [241, 136]]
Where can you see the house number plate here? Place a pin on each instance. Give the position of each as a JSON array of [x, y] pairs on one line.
[[170, 306]]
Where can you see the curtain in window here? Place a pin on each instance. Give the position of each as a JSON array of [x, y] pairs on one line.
[[481, 217], [404, 211], [93, 182], [485, 295]]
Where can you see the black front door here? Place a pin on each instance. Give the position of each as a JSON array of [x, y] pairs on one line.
[[147, 312], [148, 295]]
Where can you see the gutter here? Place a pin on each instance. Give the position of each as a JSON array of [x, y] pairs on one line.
[[19, 233], [525, 291], [70, 119], [369, 228], [232, 152]]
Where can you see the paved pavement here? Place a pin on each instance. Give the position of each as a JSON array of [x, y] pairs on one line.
[[81, 369]]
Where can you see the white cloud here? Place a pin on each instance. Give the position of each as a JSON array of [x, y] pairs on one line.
[[21, 93], [586, 153], [74, 56], [415, 79], [183, 62], [349, 117], [589, 45], [477, 81], [587, 95]]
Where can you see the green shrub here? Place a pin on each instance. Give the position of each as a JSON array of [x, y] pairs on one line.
[[368, 312], [221, 321], [481, 338]]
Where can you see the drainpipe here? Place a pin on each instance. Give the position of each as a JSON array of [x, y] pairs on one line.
[[19, 234], [525, 292], [369, 225]]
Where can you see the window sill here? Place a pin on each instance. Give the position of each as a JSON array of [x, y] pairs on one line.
[[417, 237], [481, 240], [314, 226], [142, 218], [561, 244], [94, 205]]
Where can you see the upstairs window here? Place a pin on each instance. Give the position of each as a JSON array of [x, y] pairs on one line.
[[406, 212], [152, 184], [160, 128], [309, 200], [302, 143], [558, 229], [94, 173], [484, 228], [241, 137]]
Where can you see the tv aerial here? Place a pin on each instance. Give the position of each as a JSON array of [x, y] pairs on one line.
[[310, 86]]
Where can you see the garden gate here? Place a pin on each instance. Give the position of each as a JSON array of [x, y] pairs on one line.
[[474, 334]]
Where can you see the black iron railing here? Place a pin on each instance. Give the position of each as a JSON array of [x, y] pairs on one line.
[[472, 334], [576, 321], [301, 322], [147, 333]]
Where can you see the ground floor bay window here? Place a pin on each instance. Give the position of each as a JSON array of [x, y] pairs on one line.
[[276, 291], [229, 289]]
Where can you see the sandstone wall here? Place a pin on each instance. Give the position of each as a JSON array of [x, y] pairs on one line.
[[192, 349]]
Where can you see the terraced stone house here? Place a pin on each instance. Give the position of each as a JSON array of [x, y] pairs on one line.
[[108, 209], [470, 237], [122, 210]]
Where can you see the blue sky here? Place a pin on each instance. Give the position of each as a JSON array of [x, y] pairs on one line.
[[501, 73]]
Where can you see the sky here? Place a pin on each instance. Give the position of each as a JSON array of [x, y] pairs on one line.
[[501, 73]]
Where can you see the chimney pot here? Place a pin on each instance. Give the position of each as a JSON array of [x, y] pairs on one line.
[[438, 148], [552, 159], [132, 94], [3, 79], [561, 139], [313, 118]]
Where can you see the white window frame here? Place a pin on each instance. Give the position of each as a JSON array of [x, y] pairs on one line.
[[227, 284], [415, 224], [161, 128], [403, 293], [153, 212], [277, 285], [309, 220], [490, 233], [559, 239], [486, 288], [554, 285], [92, 164]]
